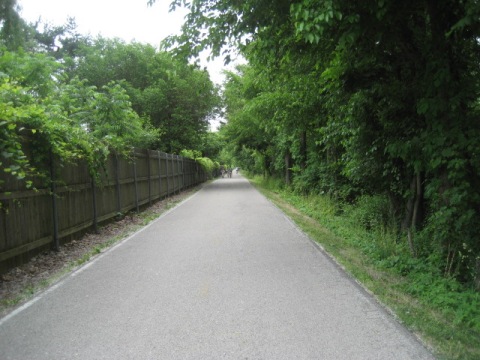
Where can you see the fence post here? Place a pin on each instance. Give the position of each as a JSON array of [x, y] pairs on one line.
[[183, 172], [168, 180], [149, 179], [117, 184], [159, 176], [173, 174], [94, 201], [177, 173], [135, 180], [56, 244]]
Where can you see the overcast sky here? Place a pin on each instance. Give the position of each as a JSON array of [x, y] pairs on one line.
[[125, 19]]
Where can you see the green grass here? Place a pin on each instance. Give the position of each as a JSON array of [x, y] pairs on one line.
[[442, 313]]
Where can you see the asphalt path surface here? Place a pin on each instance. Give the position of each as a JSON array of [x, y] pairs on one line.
[[224, 275]]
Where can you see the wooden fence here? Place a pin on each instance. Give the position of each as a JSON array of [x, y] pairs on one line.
[[31, 221]]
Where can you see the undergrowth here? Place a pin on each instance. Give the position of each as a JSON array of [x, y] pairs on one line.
[[445, 313]]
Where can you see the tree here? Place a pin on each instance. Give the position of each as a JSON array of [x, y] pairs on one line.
[[42, 115], [12, 27], [246, 127], [178, 98]]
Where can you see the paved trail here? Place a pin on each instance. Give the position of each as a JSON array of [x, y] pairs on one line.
[[223, 276]]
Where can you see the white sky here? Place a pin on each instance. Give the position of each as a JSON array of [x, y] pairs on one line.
[[126, 19]]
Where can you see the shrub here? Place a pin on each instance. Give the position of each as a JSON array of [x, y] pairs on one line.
[[373, 212]]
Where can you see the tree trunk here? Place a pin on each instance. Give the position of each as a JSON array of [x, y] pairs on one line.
[[288, 168], [409, 206], [303, 149], [418, 201], [477, 275], [266, 165], [413, 211]]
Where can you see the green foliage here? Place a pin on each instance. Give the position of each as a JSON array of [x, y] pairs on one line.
[[12, 26], [29, 115], [207, 164], [212, 144], [103, 95], [372, 212], [12, 130], [190, 154], [115, 122], [215, 24], [459, 304], [42, 115], [178, 98], [270, 183]]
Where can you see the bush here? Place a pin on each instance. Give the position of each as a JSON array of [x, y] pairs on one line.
[[271, 183], [190, 154], [208, 165], [373, 212]]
